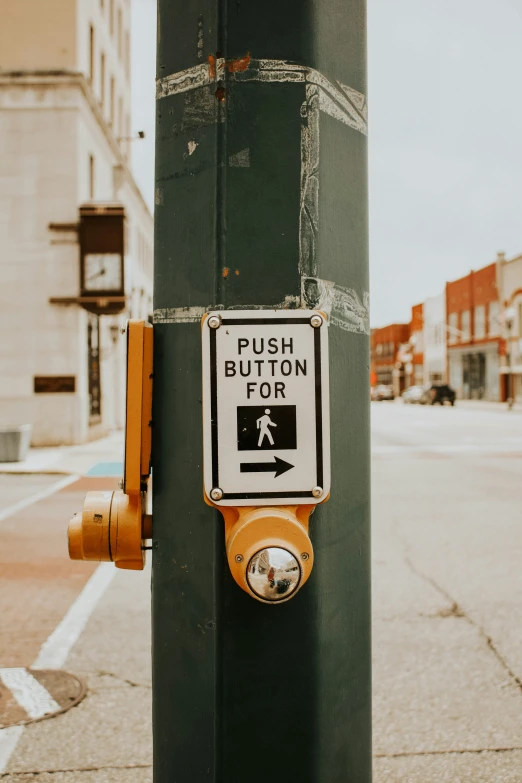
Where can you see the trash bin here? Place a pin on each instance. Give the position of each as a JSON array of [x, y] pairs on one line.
[[14, 442]]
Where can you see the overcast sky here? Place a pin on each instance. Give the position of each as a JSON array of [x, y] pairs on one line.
[[445, 97]]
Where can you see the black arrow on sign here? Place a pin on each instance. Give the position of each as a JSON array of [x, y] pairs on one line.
[[279, 466]]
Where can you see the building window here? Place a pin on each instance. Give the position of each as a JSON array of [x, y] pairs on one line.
[[91, 54], [102, 80], [417, 340], [378, 349], [121, 131], [494, 326], [120, 35], [93, 368], [453, 334], [480, 322], [113, 98], [91, 177], [465, 325], [127, 55]]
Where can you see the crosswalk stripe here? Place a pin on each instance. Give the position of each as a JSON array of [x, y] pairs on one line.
[[29, 693]]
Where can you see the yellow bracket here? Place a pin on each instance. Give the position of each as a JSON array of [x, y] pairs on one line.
[[250, 530], [113, 525]]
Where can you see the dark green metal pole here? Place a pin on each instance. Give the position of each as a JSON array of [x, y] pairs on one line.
[[261, 201]]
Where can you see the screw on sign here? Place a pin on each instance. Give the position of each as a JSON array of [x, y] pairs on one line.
[[266, 407]]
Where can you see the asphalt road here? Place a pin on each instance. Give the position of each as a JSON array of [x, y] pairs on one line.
[[447, 594], [447, 600]]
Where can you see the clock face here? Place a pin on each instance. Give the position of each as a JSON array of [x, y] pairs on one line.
[[102, 272]]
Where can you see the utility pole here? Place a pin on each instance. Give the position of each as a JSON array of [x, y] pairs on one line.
[[509, 317], [261, 203]]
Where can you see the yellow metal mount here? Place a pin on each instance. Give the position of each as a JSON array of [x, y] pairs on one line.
[[113, 525]]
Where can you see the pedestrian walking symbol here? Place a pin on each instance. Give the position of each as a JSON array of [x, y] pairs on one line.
[[263, 424], [260, 428]]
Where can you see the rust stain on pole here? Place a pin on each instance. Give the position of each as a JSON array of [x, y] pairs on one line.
[[239, 64]]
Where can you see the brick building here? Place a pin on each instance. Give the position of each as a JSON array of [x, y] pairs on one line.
[[385, 344], [473, 334]]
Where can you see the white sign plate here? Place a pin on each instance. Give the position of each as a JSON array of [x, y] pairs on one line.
[[266, 411]]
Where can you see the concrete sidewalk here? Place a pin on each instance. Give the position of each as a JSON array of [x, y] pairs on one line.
[[81, 459], [107, 737], [447, 590], [488, 405]]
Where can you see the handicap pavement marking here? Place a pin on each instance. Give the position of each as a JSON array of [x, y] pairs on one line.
[[106, 469]]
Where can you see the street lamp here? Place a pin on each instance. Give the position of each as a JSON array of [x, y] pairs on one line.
[[509, 317]]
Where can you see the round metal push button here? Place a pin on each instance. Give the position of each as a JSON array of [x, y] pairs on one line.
[[273, 574]]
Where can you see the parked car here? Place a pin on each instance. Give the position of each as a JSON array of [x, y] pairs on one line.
[[383, 392], [438, 394], [413, 394]]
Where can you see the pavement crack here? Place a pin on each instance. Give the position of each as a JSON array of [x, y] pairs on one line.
[[406, 753], [36, 772], [132, 683], [455, 610]]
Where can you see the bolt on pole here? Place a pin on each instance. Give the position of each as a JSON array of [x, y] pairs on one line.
[[261, 203]]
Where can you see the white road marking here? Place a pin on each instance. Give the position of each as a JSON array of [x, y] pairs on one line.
[[55, 650], [477, 449], [28, 692], [45, 493], [9, 739]]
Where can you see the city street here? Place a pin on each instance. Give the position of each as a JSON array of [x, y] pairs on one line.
[[447, 597]]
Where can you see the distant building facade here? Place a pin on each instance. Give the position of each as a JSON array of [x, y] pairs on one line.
[[64, 128], [414, 371], [434, 339], [509, 276], [473, 341], [385, 344]]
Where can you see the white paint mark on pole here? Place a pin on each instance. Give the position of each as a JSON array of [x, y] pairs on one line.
[[192, 315], [45, 493], [346, 308], [343, 305], [29, 693], [183, 81], [240, 160], [309, 206], [336, 99], [55, 650]]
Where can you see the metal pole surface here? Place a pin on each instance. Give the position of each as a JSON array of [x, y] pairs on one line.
[[261, 201]]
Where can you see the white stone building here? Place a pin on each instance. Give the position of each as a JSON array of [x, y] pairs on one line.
[[64, 129], [434, 334], [509, 282]]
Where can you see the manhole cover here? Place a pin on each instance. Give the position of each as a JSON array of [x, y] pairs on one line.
[[28, 695]]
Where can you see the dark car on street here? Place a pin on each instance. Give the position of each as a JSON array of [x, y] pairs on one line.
[[438, 394]]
